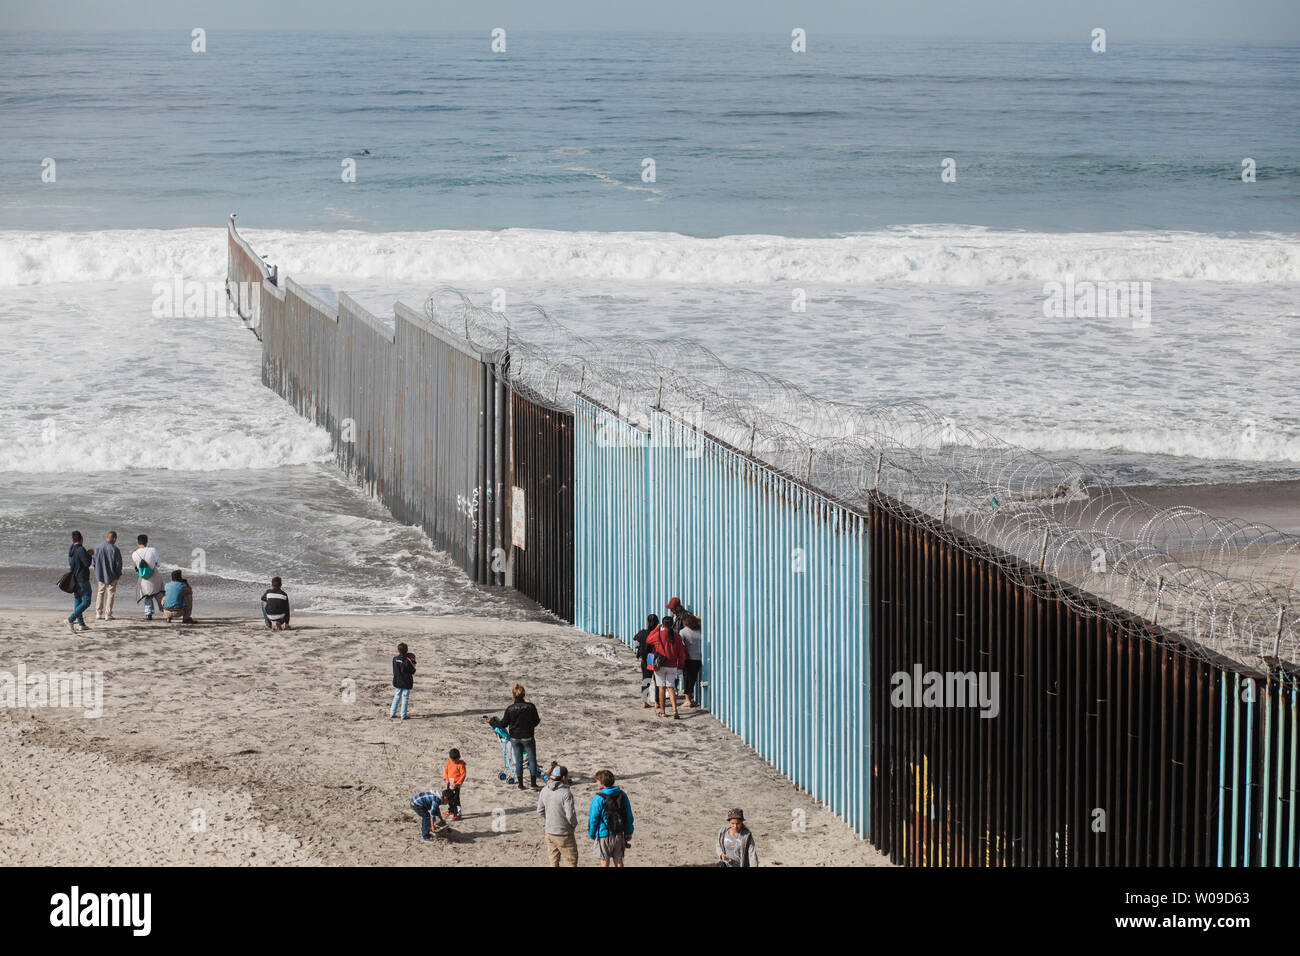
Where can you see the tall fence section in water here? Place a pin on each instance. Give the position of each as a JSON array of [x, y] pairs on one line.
[[957, 685]]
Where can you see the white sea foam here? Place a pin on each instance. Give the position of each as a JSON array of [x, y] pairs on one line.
[[942, 255], [949, 316]]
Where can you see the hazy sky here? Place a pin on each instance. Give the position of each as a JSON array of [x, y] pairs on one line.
[[1252, 21]]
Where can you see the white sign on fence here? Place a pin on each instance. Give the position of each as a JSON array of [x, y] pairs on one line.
[[517, 517]]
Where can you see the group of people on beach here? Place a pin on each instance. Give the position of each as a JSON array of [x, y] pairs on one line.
[[668, 650], [172, 596], [670, 653]]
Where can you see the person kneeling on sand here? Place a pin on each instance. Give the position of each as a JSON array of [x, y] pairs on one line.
[[275, 607], [428, 807], [178, 599], [609, 821], [736, 843], [556, 807]]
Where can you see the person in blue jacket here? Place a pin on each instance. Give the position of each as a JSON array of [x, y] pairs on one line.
[[178, 599], [79, 565], [609, 821]]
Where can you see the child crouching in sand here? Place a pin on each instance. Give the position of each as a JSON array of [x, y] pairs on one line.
[[427, 806], [453, 775]]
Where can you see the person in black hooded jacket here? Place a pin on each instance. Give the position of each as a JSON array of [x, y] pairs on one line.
[[641, 642], [403, 680], [520, 721]]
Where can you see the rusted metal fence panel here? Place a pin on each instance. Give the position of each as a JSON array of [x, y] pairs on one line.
[[541, 503], [415, 416], [246, 273], [1105, 740]]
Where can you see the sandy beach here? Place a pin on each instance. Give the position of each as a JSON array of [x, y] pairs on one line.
[[224, 743]]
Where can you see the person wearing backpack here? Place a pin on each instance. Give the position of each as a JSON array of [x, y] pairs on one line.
[[669, 657], [150, 581], [609, 821]]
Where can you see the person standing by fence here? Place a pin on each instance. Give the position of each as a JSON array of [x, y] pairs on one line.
[[642, 645], [108, 568], [679, 612], [669, 656], [79, 566], [693, 639]]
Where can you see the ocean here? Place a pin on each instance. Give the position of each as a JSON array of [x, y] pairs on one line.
[[780, 179]]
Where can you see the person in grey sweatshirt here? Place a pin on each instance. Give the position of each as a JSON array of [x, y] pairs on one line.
[[556, 805], [108, 568], [736, 843]]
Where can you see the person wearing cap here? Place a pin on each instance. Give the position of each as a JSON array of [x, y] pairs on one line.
[[736, 843], [679, 612], [556, 806]]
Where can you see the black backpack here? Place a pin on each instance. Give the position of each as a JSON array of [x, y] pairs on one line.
[[614, 812]]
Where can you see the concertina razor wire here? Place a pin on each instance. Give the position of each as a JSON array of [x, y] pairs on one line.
[[1229, 586]]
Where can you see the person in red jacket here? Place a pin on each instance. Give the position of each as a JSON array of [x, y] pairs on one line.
[[669, 658]]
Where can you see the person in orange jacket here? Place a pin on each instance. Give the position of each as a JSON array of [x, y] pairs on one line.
[[453, 775]]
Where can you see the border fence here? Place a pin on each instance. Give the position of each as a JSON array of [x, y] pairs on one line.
[[908, 619]]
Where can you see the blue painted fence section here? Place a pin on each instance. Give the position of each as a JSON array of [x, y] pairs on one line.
[[777, 572], [611, 532]]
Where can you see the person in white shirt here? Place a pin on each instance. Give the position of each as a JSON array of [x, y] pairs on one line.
[[694, 641], [148, 574]]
